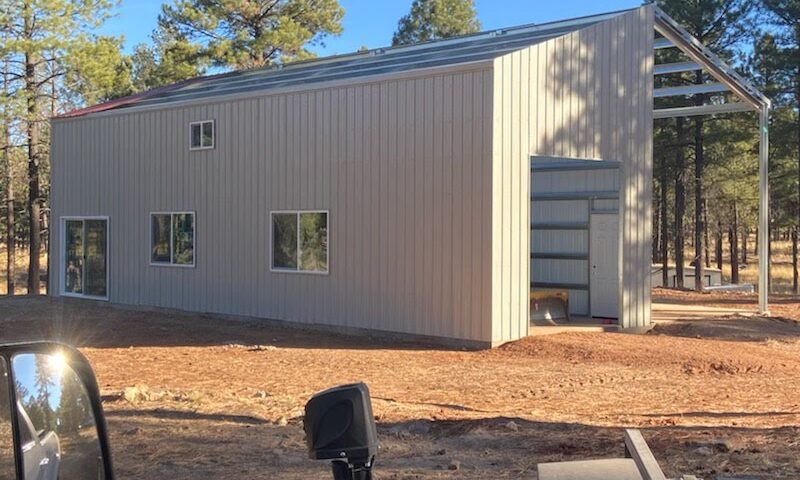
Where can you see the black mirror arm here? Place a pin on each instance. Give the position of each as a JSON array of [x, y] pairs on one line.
[[343, 470]]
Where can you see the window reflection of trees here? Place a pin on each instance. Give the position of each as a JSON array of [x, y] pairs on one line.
[[56, 401]]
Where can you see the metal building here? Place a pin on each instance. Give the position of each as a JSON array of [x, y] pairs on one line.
[[426, 190]]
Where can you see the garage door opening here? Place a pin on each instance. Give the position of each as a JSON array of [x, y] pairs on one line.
[[575, 241]]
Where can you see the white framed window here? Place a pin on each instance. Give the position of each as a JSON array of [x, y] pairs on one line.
[[299, 241], [172, 239], [201, 135]]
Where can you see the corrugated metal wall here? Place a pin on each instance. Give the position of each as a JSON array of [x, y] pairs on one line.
[[403, 165], [425, 176], [587, 94]]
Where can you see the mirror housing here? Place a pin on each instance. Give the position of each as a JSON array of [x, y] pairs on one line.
[[340, 426], [67, 414]]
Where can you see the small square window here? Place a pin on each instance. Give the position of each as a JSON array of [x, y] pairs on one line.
[[201, 135]]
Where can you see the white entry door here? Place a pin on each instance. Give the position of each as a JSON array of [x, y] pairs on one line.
[[604, 265]]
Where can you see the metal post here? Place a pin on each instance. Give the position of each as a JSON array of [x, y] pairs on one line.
[[763, 212]]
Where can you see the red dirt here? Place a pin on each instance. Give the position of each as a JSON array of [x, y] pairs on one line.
[[223, 398]]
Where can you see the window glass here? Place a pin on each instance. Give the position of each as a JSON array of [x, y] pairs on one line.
[[197, 135], [96, 256], [314, 241], [159, 249], [183, 238], [73, 261], [208, 134], [284, 240], [7, 468]]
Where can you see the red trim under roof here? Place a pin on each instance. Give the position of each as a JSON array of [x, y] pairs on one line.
[[136, 98]]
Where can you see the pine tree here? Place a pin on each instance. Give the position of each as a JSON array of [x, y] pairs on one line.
[[783, 55], [721, 25], [252, 34], [433, 19], [40, 36], [8, 104]]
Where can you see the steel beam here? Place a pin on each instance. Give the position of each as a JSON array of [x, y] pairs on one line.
[[714, 65], [679, 67], [702, 110], [662, 42], [689, 90]]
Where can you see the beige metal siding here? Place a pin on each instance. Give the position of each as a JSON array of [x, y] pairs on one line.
[[403, 166], [587, 94]]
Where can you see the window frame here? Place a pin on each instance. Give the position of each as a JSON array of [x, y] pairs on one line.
[[273, 268], [62, 249], [171, 262], [213, 135]]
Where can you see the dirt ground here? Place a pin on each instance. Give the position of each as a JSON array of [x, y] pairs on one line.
[[195, 397]]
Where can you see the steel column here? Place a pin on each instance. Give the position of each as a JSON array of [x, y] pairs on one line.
[[763, 212]]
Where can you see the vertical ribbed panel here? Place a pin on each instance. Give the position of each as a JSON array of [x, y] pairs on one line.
[[401, 164], [587, 94]]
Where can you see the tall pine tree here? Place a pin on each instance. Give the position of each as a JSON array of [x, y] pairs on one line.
[[432, 19], [721, 25], [782, 56], [40, 38], [253, 34]]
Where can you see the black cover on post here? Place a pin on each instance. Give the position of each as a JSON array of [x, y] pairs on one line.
[[339, 424]]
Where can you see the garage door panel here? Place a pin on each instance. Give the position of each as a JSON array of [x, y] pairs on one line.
[[572, 272], [560, 241], [575, 181], [559, 211]]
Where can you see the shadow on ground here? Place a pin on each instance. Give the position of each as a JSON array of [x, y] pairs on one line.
[[150, 445], [84, 323]]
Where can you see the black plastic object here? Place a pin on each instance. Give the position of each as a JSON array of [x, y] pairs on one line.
[[340, 426]]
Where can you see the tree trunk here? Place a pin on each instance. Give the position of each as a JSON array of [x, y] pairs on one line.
[[664, 230], [699, 165], [705, 233], [745, 234], [680, 204], [718, 245], [795, 279], [734, 241], [11, 250], [32, 133], [657, 225], [755, 247], [795, 286]]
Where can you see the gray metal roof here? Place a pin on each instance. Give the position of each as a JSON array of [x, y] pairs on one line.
[[452, 51]]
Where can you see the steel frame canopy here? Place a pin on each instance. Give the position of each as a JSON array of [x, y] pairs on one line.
[[751, 99]]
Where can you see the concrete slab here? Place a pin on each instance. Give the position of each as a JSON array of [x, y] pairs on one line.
[[608, 469]]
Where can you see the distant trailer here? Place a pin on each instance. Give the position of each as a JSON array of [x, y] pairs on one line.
[[424, 191], [712, 277]]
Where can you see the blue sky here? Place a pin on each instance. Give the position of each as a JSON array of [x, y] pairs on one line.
[[372, 22]]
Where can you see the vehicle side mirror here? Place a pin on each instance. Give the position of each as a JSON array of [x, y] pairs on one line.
[[340, 426], [51, 420]]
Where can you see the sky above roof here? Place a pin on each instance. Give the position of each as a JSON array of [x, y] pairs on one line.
[[371, 23]]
